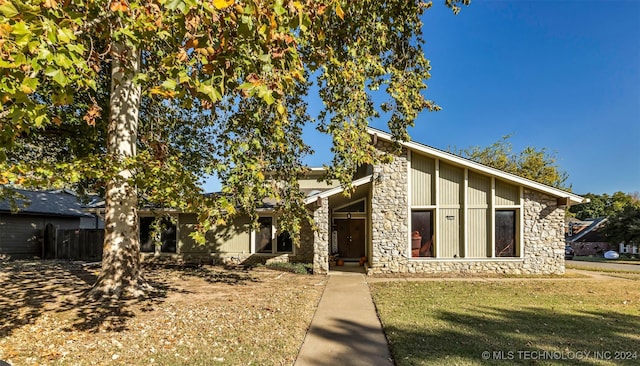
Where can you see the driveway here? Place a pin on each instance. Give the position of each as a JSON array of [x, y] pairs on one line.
[[604, 265]]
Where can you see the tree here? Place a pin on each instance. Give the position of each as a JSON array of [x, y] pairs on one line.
[[603, 205], [624, 226], [531, 163], [243, 65]]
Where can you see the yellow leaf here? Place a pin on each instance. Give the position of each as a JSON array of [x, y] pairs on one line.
[[50, 4], [222, 4], [339, 11]]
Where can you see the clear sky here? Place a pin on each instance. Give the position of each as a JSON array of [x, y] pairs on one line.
[[560, 75]]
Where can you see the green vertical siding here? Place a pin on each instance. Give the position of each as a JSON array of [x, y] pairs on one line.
[[422, 173], [479, 190], [507, 194], [449, 238], [451, 182], [233, 238], [477, 243]]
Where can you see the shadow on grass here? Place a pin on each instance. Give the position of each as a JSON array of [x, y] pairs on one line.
[[30, 289], [507, 334]]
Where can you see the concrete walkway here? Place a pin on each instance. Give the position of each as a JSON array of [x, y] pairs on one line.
[[345, 329]]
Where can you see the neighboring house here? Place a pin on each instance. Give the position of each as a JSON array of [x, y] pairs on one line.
[[427, 211], [26, 232], [585, 236]]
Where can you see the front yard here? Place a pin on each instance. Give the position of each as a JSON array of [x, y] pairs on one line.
[[522, 321], [202, 316]]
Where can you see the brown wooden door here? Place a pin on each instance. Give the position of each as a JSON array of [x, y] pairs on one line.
[[351, 237]]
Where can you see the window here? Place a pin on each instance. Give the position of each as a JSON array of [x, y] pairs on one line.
[[506, 233], [264, 238], [264, 235], [421, 234], [167, 237], [285, 244]]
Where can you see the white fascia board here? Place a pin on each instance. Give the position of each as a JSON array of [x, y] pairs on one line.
[[336, 190], [457, 160]]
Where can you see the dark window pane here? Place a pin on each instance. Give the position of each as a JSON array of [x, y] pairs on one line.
[[422, 234], [167, 235], [264, 235], [505, 233], [285, 244]]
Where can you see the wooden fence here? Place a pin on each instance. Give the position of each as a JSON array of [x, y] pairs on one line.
[[78, 244]]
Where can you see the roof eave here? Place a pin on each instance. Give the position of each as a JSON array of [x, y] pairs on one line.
[[559, 193]]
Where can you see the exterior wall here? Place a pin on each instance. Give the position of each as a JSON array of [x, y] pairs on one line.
[[470, 205], [321, 238], [232, 244], [543, 234], [591, 248], [389, 215], [21, 235]]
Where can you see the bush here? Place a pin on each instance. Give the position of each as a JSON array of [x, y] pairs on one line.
[[299, 268]]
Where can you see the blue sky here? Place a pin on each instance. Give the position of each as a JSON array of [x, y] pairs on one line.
[[560, 75]]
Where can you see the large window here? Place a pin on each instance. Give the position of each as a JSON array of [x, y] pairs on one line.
[[264, 235], [422, 234], [506, 233], [264, 238], [165, 236]]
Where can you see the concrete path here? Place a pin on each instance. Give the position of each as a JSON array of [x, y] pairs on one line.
[[345, 329]]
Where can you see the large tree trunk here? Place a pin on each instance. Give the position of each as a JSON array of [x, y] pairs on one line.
[[120, 276]]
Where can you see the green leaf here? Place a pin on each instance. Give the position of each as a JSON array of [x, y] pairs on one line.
[[65, 35], [169, 84], [57, 76], [22, 33], [8, 10]]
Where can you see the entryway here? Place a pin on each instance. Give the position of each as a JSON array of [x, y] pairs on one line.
[[351, 237]]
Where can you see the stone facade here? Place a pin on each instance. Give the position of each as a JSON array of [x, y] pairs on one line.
[[542, 242], [543, 234], [319, 238], [389, 214]]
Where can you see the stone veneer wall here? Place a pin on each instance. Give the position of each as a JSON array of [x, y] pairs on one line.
[[318, 241], [389, 216], [542, 242]]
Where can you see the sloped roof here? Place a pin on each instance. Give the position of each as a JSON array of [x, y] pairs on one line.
[[50, 203], [460, 161]]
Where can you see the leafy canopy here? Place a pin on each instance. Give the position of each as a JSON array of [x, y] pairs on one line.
[[531, 163], [223, 85]]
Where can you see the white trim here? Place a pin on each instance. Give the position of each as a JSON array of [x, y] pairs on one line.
[[439, 154], [436, 212], [274, 239], [465, 211], [336, 190], [410, 205], [492, 217]]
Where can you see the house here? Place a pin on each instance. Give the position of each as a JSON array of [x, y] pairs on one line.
[[426, 211], [585, 236], [30, 231]]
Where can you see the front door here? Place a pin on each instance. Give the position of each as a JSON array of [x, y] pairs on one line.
[[351, 237]]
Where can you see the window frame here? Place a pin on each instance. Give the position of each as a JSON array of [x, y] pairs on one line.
[[516, 232], [424, 239], [275, 235]]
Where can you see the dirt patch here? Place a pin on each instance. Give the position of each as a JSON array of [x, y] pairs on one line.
[[206, 315]]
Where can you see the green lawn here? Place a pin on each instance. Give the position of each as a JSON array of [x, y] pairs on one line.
[[622, 260], [454, 322]]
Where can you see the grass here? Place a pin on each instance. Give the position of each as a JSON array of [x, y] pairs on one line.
[[624, 259], [202, 316], [453, 323]]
